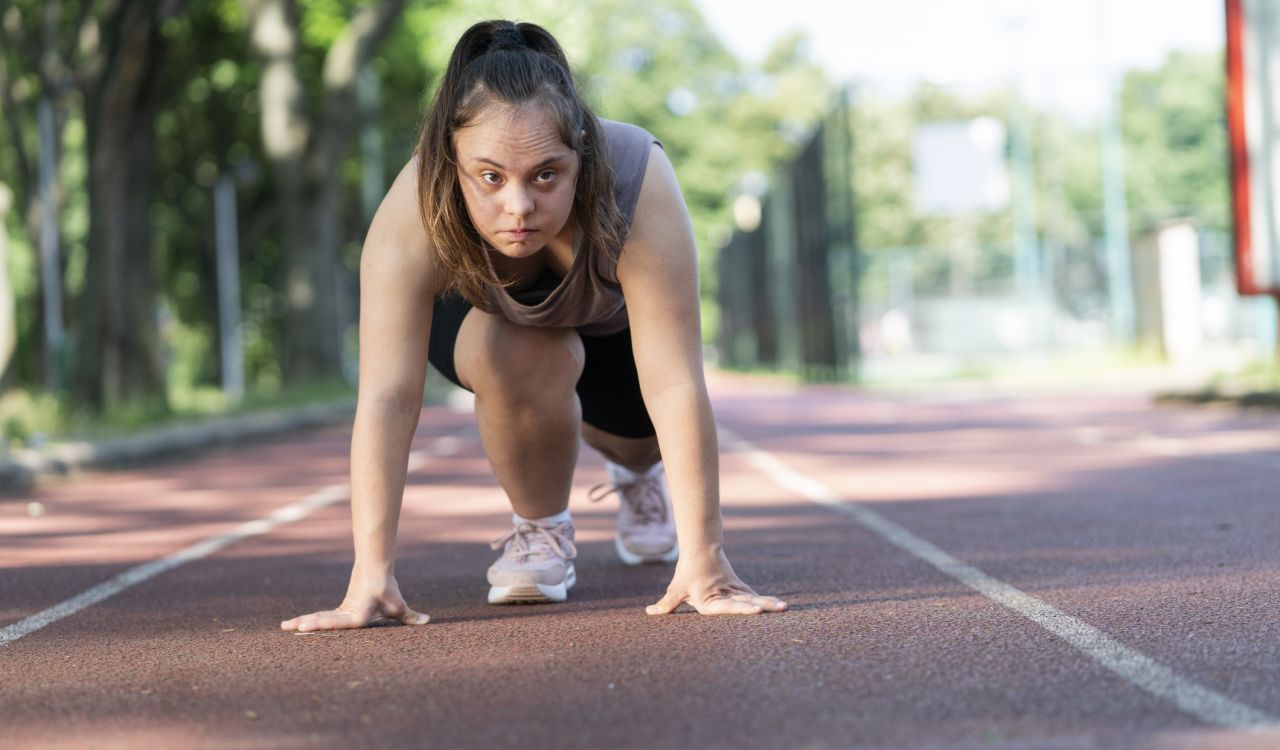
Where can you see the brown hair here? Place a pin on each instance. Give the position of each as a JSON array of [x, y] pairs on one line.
[[516, 64]]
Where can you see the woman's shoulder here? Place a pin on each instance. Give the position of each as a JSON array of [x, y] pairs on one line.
[[626, 137], [628, 156], [400, 211], [397, 241]]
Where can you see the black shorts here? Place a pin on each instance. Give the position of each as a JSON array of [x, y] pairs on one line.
[[609, 388]]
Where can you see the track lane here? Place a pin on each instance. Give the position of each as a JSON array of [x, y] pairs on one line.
[[880, 650], [1169, 554]]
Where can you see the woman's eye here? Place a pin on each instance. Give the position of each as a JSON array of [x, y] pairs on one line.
[[490, 178], [546, 176]]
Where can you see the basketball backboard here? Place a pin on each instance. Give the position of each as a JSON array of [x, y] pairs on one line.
[[1253, 72]]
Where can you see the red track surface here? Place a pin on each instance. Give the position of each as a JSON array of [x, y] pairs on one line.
[[1157, 527]]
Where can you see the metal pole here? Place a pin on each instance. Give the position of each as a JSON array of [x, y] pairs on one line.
[[1026, 241], [1115, 204], [50, 264], [229, 319], [1026, 244]]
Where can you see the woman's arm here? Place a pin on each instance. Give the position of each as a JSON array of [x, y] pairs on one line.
[[658, 271], [397, 285]]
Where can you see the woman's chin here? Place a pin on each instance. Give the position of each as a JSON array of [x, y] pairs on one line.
[[517, 248]]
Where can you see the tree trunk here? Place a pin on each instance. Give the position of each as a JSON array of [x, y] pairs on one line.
[[8, 327], [19, 116], [117, 354], [306, 159]]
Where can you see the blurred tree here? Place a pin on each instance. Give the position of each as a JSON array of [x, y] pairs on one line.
[[305, 143], [116, 355], [213, 127], [8, 322], [32, 75], [1174, 124], [206, 129], [102, 56]]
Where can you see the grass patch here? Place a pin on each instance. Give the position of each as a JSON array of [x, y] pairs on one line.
[[29, 419], [1255, 384]]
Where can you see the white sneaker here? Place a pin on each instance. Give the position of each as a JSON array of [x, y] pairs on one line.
[[646, 526], [536, 565]]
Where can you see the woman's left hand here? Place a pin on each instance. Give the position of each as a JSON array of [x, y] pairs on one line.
[[707, 583]]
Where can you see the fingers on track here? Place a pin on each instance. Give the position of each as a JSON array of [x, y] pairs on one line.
[[332, 620]]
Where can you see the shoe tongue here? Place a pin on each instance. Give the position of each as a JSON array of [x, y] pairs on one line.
[[646, 503], [622, 474], [539, 541]]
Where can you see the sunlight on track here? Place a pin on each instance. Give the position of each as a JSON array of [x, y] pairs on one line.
[[1252, 455], [1131, 665], [296, 511]]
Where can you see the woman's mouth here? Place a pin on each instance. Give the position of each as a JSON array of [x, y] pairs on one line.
[[518, 234]]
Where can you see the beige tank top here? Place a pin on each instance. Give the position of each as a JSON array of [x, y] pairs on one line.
[[589, 297]]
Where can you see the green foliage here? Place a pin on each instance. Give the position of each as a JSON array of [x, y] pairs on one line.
[[1174, 121], [323, 21], [209, 124], [24, 416]]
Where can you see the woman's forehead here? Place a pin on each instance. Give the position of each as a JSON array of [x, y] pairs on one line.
[[511, 135]]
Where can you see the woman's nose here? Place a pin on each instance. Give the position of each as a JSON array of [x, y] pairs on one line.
[[519, 201]]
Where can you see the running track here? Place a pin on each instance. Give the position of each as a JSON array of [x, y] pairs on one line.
[[965, 570]]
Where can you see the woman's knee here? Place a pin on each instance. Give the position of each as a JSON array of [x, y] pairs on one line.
[[523, 361]]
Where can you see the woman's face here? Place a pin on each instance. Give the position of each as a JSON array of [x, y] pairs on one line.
[[518, 178]]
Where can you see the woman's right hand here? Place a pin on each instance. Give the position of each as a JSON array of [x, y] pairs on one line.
[[367, 600]]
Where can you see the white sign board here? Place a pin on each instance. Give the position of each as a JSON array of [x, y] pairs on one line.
[[960, 166]]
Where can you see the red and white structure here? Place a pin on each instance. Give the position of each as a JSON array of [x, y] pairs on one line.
[[1253, 119]]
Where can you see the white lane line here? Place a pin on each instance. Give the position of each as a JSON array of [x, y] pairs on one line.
[[295, 511], [1131, 665]]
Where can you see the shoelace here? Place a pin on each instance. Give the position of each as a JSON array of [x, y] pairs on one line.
[[524, 540], [644, 495]]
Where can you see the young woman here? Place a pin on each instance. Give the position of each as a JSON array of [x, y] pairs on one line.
[[549, 254]]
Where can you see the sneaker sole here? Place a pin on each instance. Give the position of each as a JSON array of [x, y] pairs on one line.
[[533, 593], [631, 558]]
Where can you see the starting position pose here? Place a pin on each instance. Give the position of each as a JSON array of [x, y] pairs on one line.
[[549, 254]]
